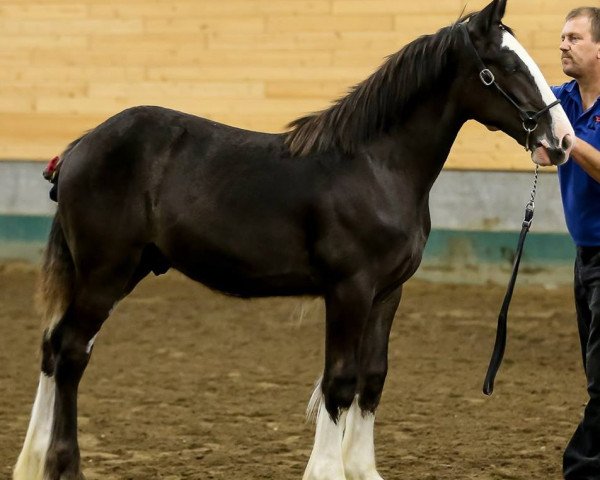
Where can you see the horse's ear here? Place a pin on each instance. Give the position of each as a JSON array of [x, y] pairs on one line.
[[492, 14]]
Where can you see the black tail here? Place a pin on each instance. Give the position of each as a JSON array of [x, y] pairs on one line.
[[58, 277]]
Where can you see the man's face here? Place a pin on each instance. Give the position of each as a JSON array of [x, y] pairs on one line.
[[580, 54]]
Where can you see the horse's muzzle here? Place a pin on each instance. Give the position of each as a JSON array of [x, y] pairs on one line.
[[546, 155]]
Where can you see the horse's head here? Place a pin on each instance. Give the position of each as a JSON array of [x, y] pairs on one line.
[[504, 89]]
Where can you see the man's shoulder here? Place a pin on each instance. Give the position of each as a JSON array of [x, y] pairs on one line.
[[564, 89]]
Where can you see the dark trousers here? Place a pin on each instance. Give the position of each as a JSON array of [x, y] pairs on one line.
[[581, 460]]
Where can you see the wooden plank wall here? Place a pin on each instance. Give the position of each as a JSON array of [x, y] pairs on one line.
[[66, 65]]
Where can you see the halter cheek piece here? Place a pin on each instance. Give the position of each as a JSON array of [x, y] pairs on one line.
[[529, 118]]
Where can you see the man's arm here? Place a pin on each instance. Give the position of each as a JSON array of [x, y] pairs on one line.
[[587, 157]]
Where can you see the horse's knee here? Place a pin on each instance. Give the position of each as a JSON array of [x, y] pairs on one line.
[[339, 390], [371, 389]]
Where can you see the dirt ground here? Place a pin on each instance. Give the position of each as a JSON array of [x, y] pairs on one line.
[[188, 384]]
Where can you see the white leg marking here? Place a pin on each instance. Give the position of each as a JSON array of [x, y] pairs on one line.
[[90, 344], [113, 308], [31, 462], [561, 125], [326, 458], [315, 401], [359, 446]]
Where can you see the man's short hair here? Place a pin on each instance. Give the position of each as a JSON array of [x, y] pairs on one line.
[[593, 13]]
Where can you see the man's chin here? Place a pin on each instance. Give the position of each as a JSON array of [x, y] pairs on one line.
[[568, 70]]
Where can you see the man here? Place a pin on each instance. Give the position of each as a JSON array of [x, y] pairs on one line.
[[580, 189]]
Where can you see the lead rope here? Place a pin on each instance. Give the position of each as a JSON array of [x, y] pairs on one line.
[[500, 344]]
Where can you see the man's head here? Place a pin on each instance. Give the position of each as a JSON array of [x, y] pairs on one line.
[[580, 45]]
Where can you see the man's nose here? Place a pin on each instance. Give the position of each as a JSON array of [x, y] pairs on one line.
[[564, 45]]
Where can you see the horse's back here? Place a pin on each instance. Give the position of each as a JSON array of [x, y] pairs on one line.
[[136, 150]]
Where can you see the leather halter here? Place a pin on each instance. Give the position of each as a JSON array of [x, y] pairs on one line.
[[529, 118]]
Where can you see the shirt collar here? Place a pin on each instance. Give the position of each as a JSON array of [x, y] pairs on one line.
[[572, 91]]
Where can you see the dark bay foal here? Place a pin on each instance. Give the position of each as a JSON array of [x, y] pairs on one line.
[[336, 207]]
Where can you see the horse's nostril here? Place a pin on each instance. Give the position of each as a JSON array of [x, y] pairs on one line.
[[567, 142]]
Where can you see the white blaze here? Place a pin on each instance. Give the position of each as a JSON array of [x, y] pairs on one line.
[[30, 465], [560, 123]]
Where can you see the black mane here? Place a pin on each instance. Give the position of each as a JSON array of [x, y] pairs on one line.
[[375, 104]]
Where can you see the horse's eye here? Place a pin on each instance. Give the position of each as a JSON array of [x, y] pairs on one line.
[[510, 67]]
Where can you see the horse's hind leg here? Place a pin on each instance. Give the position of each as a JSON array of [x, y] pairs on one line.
[[358, 445], [347, 308], [71, 345], [51, 451]]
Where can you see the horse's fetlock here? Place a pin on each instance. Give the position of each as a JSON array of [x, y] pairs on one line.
[[371, 388], [374, 381], [339, 391]]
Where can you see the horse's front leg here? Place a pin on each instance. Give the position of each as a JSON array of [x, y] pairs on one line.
[[347, 308], [358, 444]]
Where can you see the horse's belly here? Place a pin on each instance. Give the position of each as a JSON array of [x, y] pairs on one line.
[[247, 287], [244, 263], [244, 283]]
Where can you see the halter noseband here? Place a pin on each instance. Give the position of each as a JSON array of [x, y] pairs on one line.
[[529, 118]]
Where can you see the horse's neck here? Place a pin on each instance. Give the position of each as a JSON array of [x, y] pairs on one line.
[[420, 143]]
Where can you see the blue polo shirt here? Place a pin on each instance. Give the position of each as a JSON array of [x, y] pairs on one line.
[[580, 192]]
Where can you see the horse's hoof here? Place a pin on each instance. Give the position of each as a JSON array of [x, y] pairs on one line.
[[369, 475]]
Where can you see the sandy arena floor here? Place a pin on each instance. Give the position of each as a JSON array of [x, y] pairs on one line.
[[187, 384]]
